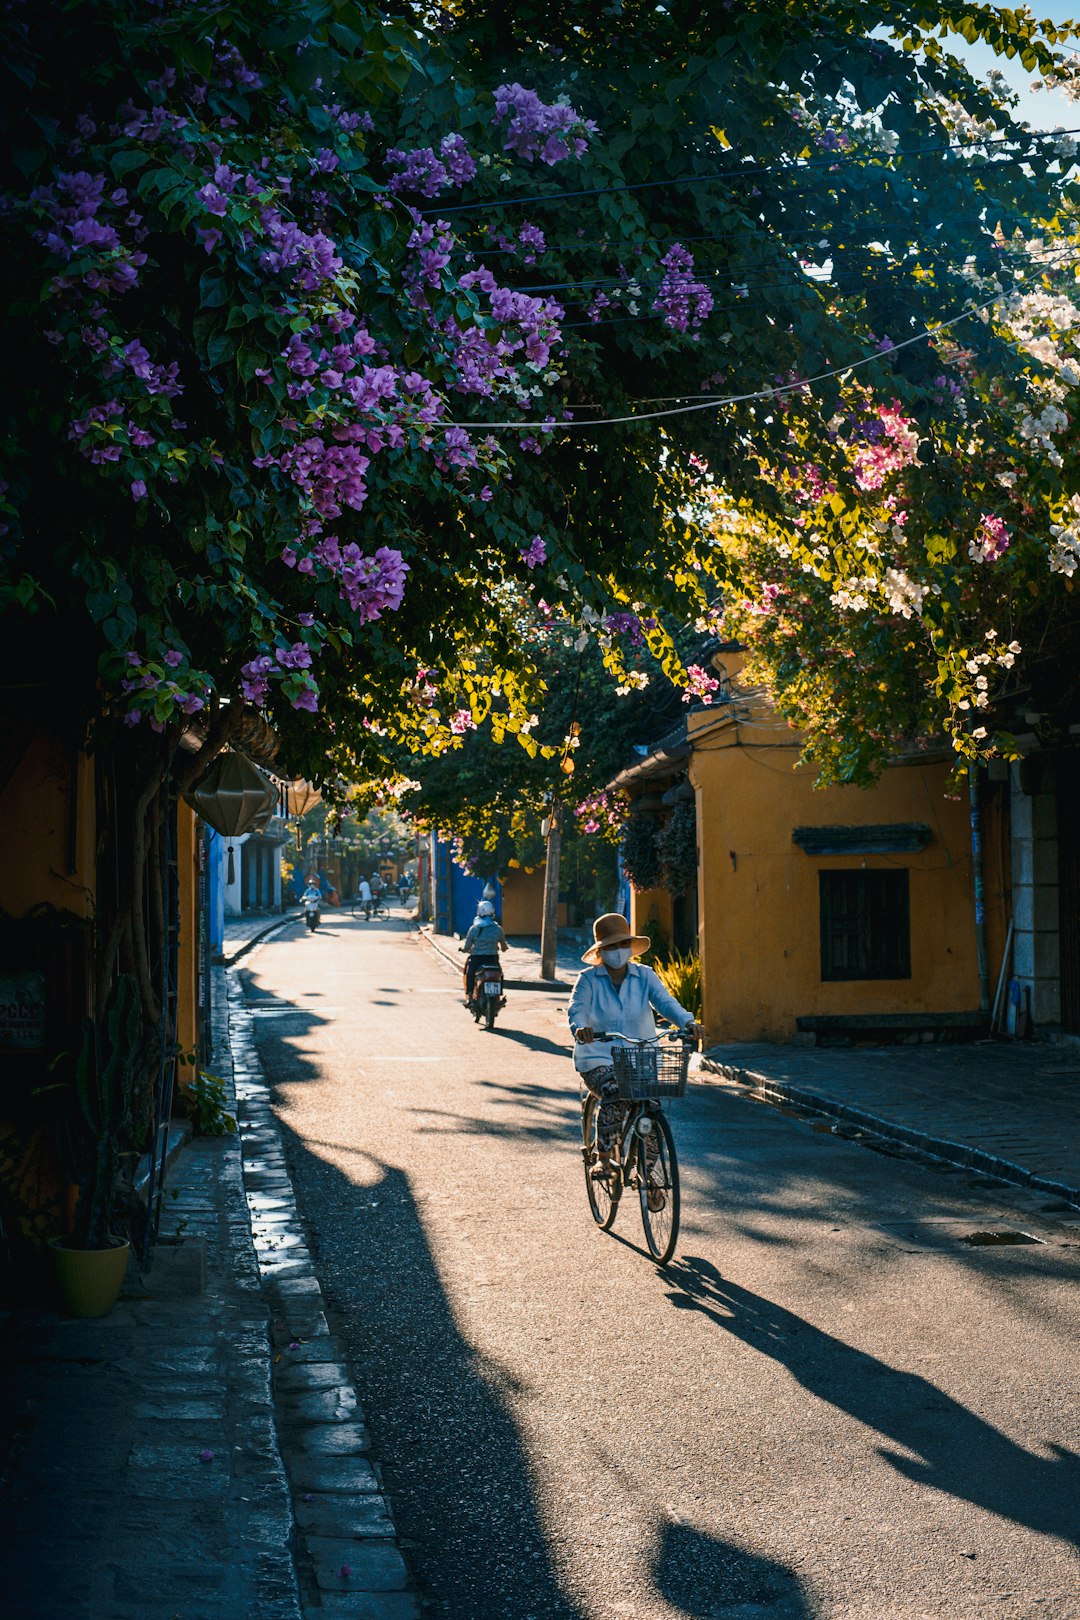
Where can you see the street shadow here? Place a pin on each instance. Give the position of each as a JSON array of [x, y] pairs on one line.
[[953, 1450], [455, 1469], [691, 1563], [534, 1043]]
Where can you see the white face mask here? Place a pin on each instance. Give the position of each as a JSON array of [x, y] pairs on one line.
[[617, 956]]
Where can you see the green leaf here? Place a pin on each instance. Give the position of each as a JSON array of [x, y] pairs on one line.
[[214, 289]]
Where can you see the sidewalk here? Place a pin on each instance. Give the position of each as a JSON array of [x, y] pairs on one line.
[[199, 1453], [521, 963], [245, 931], [141, 1476], [1009, 1109]]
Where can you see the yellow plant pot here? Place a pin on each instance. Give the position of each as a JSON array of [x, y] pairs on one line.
[[90, 1279]]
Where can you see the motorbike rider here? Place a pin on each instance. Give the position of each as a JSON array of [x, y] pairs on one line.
[[482, 944], [312, 893]]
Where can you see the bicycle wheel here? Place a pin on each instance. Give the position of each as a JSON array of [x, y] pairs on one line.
[[658, 1174], [382, 909], [603, 1202], [358, 910]]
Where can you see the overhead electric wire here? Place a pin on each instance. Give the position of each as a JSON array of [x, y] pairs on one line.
[[718, 403], [790, 166]]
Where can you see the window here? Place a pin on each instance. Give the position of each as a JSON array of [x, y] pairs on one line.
[[865, 930]]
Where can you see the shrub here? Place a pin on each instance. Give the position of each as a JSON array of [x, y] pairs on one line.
[[205, 1102], [676, 845], [681, 976], [640, 856]]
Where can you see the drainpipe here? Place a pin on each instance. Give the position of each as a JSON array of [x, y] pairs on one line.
[[977, 870]]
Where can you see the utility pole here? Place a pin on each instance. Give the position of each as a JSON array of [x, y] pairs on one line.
[[549, 939]]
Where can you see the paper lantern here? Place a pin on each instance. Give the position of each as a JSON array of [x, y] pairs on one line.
[[231, 796], [303, 796]]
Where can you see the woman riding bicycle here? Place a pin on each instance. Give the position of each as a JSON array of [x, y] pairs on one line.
[[618, 994]]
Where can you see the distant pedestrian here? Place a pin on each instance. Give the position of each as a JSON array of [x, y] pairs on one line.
[[403, 888], [363, 894]]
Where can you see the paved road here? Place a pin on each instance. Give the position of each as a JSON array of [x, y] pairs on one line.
[[828, 1406]]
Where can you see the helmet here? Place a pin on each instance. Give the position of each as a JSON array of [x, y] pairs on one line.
[[485, 909]]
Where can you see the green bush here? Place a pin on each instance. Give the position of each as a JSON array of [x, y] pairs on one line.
[[205, 1102], [640, 856], [681, 976], [676, 845]]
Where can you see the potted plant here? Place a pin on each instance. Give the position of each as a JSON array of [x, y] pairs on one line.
[[96, 1137]]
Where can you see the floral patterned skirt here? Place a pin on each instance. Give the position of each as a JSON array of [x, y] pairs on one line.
[[601, 1083]]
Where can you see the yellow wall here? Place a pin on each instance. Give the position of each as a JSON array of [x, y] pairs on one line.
[[35, 814], [648, 903], [523, 901], [758, 892]]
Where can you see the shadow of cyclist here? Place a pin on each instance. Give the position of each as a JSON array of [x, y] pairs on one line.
[[956, 1451]]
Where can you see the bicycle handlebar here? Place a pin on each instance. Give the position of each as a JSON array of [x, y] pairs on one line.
[[640, 1040]]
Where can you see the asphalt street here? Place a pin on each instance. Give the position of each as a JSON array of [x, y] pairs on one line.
[[829, 1404]]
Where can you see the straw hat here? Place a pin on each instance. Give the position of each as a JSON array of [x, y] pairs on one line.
[[610, 931]]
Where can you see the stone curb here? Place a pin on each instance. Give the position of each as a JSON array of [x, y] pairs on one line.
[[228, 961], [960, 1154], [349, 1561], [552, 986]]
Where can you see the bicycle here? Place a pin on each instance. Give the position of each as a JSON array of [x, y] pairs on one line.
[[370, 908], [643, 1157]]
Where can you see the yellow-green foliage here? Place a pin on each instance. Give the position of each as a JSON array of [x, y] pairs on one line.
[[681, 975]]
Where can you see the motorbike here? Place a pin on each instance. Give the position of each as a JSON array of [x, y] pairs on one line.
[[487, 995], [312, 913]]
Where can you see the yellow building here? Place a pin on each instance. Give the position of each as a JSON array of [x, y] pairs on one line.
[[63, 863], [842, 911]]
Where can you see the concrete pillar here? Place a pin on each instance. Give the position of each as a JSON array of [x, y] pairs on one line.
[[1036, 940], [233, 891]]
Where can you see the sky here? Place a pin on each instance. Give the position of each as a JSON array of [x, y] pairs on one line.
[[1041, 109]]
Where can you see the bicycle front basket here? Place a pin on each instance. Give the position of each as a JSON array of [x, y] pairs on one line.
[[650, 1071]]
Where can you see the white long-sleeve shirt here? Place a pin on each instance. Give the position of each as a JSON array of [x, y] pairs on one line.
[[597, 1003]]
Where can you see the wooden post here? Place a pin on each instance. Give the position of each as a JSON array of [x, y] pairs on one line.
[[549, 939]]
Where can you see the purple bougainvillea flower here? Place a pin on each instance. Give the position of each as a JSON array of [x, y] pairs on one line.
[[295, 1345], [206, 1455], [138, 489], [345, 1571]]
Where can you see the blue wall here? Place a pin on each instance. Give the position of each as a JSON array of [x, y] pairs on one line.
[[458, 893], [466, 893], [215, 872]]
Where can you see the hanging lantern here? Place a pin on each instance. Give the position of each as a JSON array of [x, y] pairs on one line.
[[231, 796], [301, 796]]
